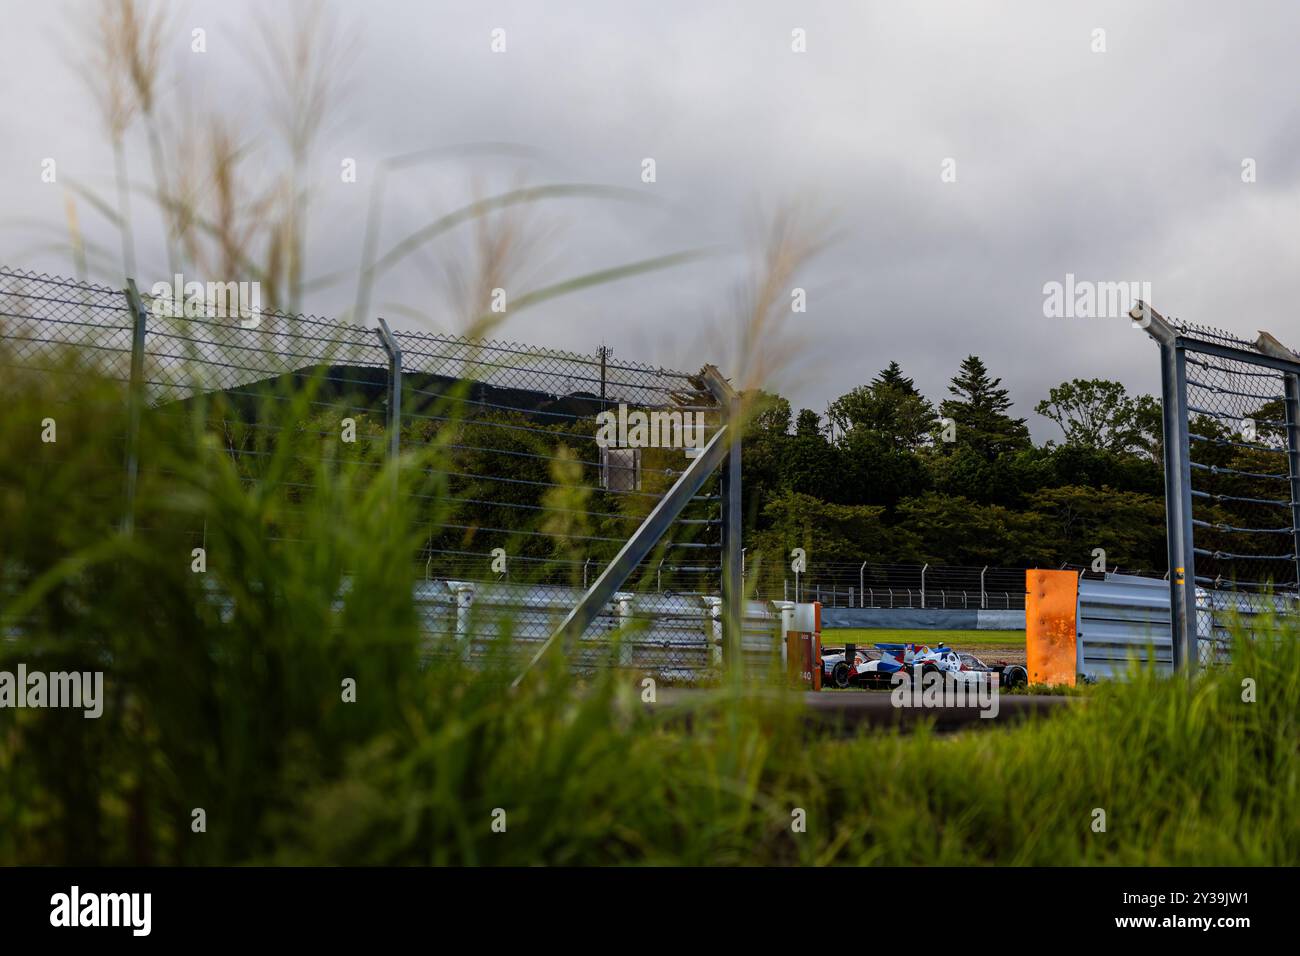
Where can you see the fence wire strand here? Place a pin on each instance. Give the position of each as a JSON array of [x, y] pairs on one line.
[[512, 433]]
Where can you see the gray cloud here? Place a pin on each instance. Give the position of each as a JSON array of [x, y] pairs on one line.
[[1116, 166]]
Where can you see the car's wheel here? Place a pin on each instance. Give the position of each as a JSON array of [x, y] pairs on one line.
[[1013, 675], [840, 674]]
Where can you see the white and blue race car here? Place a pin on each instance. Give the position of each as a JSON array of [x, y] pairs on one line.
[[868, 669]]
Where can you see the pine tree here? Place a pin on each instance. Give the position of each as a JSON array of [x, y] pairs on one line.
[[811, 463], [890, 408], [892, 377], [979, 408], [808, 424]]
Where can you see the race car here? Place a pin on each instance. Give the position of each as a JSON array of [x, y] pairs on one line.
[[866, 670], [878, 671], [1012, 674], [968, 667]]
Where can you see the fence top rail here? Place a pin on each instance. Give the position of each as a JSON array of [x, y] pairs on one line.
[[416, 340], [63, 281], [1191, 334], [40, 286]]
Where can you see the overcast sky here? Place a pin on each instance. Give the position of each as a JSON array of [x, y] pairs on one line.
[[1122, 165]]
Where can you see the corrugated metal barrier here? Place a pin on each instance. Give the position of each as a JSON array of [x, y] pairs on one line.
[[677, 637], [1119, 619], [1124, 617]]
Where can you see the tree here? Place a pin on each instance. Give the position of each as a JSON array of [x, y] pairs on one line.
[[876, 472], [893, 377], [969, 472], [1072, 464], [955, 530], [811, 464], [1128, 526], [769, 414], [1098, 413], [828, 533], [763, 452], [1148, 417], [979, 409], [808, 424], [890, 407]]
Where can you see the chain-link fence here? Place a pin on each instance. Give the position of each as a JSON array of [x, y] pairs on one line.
[[877, 585], [541, 476], [58, 330], [1233, 483]]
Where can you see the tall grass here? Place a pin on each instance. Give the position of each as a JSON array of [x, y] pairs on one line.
[[238, 709]]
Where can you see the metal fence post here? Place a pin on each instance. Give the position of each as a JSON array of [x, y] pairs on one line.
[[1186, 643], [786, 609], [733, 588], [394, 421], [463, 595], [135, 401], [637, 546], [1178, 492], [715, 630], [862, 587], [1291, 383], [626, 617]]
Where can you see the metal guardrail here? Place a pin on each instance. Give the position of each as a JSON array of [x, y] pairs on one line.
[[1125, 617], [1121, 619], [676, 637]]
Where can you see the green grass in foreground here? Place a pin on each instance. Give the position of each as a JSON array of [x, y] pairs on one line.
[[957, 639], [241, 714]]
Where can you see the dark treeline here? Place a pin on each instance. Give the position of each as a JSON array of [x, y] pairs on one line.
[[885, 476], [506, 478], [888, 475]]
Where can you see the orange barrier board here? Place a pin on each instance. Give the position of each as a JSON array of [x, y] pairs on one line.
[[1051, 628]]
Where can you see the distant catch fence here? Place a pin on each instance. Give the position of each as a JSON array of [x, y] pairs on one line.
[[867, 584], [534, 494]]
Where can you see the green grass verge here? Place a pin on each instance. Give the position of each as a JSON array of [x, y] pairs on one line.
[[240, 712]]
